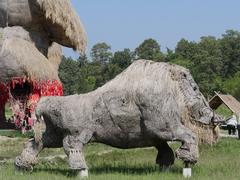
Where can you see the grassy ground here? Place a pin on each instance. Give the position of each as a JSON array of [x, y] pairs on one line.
[[224, 111], [221, 161]]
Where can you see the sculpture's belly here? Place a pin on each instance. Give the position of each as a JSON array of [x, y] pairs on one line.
[[125, 140]]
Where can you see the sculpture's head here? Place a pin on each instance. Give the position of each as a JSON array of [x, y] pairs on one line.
[[196, 112]]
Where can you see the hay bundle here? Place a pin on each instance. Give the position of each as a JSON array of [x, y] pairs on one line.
[[206, 133]]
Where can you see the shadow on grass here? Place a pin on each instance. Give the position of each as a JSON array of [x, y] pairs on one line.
[[110, 169], [133, 170], [57, 171]]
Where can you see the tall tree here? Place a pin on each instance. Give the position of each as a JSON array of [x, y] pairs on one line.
[[186, 49], [230, 47], [68, 73], [232, 85], [122, 58], [149, 49], [101, 52], [82, 61]]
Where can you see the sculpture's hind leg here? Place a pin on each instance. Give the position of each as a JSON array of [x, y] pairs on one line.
[[165, 157], [28, 158], [188, 152]]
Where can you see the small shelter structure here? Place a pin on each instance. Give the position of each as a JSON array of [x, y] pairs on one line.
[[232, 103]]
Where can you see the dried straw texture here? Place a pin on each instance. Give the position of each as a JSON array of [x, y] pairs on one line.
[[64, 18], [55, 55]]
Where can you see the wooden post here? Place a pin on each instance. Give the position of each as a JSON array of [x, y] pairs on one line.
[[187, 171]]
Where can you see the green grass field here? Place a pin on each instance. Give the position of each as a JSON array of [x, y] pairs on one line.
[[221, 161]]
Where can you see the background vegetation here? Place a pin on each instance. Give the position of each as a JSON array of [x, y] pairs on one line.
[[214, 63]]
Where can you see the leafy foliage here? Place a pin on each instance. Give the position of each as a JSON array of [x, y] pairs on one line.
[[150, 50], [101, 52]]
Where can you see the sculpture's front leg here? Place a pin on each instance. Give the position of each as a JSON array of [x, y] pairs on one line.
[[28, 158], [73, 147], [188, 152]]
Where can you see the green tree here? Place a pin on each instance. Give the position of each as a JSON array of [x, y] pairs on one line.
[[230, 47], [101, 52], [82, 61], [122, 58], [149, 49], [232, 85], [186, 49], [207, 67], [68, 73]]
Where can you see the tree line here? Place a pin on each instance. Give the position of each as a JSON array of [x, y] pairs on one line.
[[213, 62]]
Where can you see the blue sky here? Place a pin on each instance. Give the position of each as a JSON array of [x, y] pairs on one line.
[[127, 23]]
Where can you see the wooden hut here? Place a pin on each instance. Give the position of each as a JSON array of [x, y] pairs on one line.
[[232, 103]]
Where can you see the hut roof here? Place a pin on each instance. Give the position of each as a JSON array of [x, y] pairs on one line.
[[232, 103]]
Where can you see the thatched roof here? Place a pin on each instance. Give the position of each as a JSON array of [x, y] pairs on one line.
[[64, 24], [232, 103]]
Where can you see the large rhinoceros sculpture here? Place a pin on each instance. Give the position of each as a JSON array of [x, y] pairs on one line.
[[147, 105]]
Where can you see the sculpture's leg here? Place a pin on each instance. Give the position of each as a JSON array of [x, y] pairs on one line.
[[165, 156], [74, 150], [51, 138], [28, 158], [188, 152]]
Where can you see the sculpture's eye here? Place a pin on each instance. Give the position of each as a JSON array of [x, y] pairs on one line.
[[195, 88]]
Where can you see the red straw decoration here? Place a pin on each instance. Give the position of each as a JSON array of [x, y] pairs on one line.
[[38, 90]]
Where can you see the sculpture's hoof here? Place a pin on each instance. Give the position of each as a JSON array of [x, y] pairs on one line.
[[83, 174], [76, 160], [21, 165], [187, 156]]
